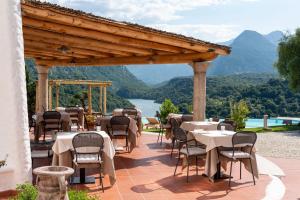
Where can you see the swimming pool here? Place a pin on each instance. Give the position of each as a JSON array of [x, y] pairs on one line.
[[253, 123]]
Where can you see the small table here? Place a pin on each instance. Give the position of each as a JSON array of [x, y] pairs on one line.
[[193, 125]]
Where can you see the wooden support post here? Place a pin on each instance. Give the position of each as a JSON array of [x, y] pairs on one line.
[[36, 96], [100, 100], [104, 100], [199, 96], [50, 97], [57, 95], [90, 99], [42, 88]]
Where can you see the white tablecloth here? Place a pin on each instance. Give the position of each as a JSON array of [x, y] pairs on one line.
[[192, 125], [119, 112], [214, 139], [62, 154]]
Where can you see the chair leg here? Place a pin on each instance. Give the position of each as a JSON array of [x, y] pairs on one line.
[[173, 144], [101, 181], [188, 169], [252, 171], [161, 137], [230, 173], [196, 165], [177, 163], [240, 169], [158, 136], [127, 148]]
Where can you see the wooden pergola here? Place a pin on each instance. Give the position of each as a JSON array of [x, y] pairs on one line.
[[90, 83], [58, 36]]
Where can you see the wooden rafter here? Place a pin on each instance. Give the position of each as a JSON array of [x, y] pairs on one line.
[[156, 59]]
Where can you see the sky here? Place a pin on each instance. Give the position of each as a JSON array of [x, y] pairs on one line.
[[210, 20]]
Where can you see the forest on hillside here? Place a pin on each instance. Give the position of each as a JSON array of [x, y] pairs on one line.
[[264, 94]]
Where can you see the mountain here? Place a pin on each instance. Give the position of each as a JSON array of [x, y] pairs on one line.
[[252, 52], [275, 37]]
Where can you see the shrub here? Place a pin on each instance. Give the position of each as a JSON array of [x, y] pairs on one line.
[[167, 107], [238, 113]]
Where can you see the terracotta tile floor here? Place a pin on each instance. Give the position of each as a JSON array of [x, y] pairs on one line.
[[147, 173]]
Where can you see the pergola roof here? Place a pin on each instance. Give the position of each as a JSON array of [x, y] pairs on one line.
[[55, 35]]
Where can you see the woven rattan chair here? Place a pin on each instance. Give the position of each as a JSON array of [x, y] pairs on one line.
[[41, 151], [242, 145], [119, 127], [74, 115], [51, 122], [162, 127], [130, 112], [88, 149], [227, 126], [187, 118], [186, 148], [174, 125]]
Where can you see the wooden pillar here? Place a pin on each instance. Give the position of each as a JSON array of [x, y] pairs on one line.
[[100, 100], [50, 97], [90, 99], [42, 88], [57, 94], [36, 96], [104, 100], [199, 96]]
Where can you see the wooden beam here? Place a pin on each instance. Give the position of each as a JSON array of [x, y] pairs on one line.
[[92, 51], [54, 48], [117, 28], [41, 54], [120, 40], [80, 82], [80, 42], [158, 59]]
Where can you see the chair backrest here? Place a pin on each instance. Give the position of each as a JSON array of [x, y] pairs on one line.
[[227, 126], [74, 113], [215, 119], [244, 138], [180, 134], [187, 118], [131, 112], [119, 123], [174, 123], [88, 143], [51, 120]]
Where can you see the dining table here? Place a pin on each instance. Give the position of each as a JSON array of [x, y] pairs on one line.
[[132, 129], [213, 139], [65, 119], [62, 156], [194, 125]]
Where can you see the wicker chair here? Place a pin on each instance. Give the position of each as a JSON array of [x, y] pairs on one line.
[[51, 122], [74, 115], [88, 149], [187, 118], [227, 126], [174, 125], [188, 150], [41, 150], [119, 126], [240, 141], [130, 112], [215, 119], [162, 127]]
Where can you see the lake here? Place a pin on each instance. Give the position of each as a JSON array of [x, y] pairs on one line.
[[148, 107]]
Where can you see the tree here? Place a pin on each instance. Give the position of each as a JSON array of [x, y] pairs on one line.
[[238, 113], [288, 63], [167, 107]]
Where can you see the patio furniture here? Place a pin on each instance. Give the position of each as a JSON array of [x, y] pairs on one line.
[[213, 140], [74, 115], [193, 125], [174, 125], [119, 126], [162, 127], [130, 112], [188, 150], [242, 145], [63, 148], [41, 150], [153, 123], [88, 150], [32, 120], [51, 122], [215, 119], [227, 126], [138, 118], [186, 118]]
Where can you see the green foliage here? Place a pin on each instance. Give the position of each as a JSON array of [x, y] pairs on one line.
[[26, 192], [29, 192], [238, 113], [167, 107], [288, 63]]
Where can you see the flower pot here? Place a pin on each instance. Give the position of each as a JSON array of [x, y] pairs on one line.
[[51, 182]]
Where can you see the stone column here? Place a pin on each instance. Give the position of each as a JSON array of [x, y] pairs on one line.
[[90, 99], [57, 95], [199, 97], [50, 97], [104, 100], [100, 100], [42, 87]]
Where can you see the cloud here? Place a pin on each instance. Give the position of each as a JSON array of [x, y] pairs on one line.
[[208, 32], [132, 10]]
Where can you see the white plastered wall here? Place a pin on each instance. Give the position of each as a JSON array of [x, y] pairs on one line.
[[14, 137]]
